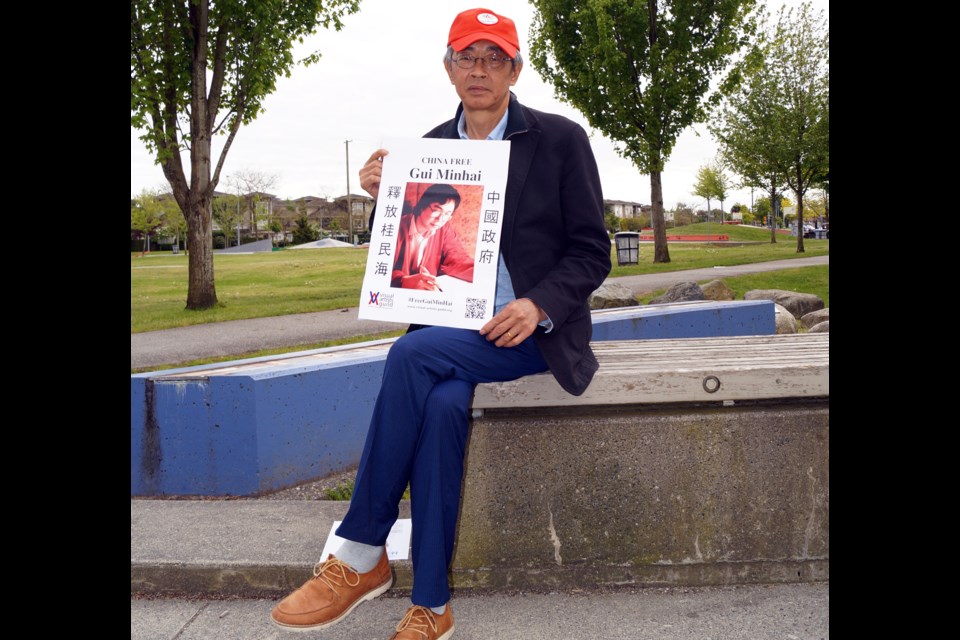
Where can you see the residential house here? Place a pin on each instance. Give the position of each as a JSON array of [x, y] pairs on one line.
[[358, 208], [330, 215], [624, 209]]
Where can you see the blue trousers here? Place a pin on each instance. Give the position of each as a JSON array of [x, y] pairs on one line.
[[418, 435]]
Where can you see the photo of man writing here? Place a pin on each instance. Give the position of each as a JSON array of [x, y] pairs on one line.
[[427, 246]]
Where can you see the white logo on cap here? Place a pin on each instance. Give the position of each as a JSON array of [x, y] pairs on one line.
[[487, 18]]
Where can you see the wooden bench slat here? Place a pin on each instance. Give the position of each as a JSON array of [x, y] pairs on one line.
[[677, 370]]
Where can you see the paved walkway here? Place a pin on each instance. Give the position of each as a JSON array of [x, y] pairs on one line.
[[184, 344], [751, 612]]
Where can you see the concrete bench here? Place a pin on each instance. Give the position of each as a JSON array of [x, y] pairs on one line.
[[721, 369], [692, 461], [253, 426]]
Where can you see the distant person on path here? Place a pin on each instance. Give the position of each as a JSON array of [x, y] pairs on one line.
[[427, 246], [554, 252]]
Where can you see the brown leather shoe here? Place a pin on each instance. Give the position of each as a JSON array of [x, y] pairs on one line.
[[333, 592], [421, 623]]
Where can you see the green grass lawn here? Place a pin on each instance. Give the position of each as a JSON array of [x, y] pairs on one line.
[[701, 255], [307, 280], [248, 286], [814, 280]]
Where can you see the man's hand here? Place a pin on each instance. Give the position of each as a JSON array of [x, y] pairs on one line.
[[514, 324], [371, 171], [423, 280]]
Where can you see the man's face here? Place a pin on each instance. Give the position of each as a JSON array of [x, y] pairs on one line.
[[435, 216], [482, 88]]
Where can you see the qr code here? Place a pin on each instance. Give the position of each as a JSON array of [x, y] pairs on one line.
[[476, 308]]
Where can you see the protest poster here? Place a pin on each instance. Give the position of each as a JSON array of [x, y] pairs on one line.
[[435, 239]]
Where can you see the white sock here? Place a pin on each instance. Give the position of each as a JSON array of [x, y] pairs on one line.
[[439, 610], [362, 557]]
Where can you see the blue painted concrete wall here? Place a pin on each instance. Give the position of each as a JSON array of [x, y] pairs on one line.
[[694, 319], [253, 426]]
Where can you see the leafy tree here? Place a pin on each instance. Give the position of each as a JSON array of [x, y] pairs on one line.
[[746, 144], [200, 68], [611, 221], [711, 183], [226, 213], [682, 215], [300, 208], [254, 185], [746, 215], [774, 185], [722, 185], [174, 224], [275, 225], [146, 216], [706, 185], [335, 227], [761, 208], [816, 205], [822, 181], [155, 213], [640, 71], [303, 232], [775, 130]]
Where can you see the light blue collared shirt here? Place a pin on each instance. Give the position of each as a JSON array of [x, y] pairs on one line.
[[505, 291]]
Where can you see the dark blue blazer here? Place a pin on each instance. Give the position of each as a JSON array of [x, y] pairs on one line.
[[553, 240]]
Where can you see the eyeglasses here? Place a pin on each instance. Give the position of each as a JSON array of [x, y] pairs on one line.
[[493, 61], [441, 211]]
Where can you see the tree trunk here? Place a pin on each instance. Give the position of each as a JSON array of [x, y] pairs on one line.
[[799, 191], [660, 251], [201, 290], [800, 248], [708, 219], [773, 217]]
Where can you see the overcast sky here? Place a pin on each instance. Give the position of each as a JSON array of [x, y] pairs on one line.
[[382, 76]]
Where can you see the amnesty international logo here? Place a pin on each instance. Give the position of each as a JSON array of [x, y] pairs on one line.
[[380, 299]]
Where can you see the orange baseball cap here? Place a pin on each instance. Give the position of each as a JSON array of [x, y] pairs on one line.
[[483, 24]]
